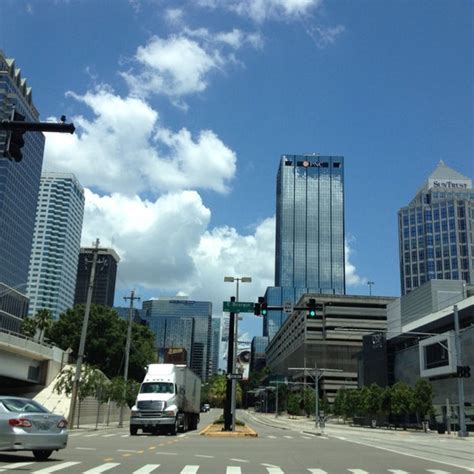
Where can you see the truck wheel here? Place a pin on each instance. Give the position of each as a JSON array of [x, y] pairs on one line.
[[133, 431], [174, 429]]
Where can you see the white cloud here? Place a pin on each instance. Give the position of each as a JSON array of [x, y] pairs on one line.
[[174, 16], [166, 244], [182, 64], [124, 149], [325, 36], [262, 10], [352, 278]]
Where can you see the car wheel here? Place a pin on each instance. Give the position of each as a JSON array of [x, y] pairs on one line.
[[42, 454], [174, 429], [133, 431]]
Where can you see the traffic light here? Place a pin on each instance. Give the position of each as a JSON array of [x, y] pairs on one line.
[[263, 309], [257, 307], [311, 308], [15, 140]]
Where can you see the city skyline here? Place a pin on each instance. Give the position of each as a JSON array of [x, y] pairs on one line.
[[178, 163]]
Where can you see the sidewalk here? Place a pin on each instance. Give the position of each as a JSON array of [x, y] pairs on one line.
[[307, 425], [100, 426]]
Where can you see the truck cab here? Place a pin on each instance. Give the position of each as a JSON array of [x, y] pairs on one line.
[[166, 400]]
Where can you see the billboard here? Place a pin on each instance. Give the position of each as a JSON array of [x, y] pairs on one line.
[[438, 355]]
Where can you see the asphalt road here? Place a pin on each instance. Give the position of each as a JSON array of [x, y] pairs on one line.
[[275, 451]]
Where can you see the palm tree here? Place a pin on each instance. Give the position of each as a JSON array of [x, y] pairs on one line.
[[43, 320]]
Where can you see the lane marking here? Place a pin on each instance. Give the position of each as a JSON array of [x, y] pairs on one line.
[[181, 435], [147, 468], [288, 437], [127, 451], [14, 466], [91, 435], [57, 467], [274, 470], [233, 470], [190, 469], [272, 437], [167, 454], [102, 468], [125, 436], [397, 471], [306, 437], [204, 456], [239, 460], [358, 471], [317, 471], [436, 471], [87, 449], [109, 435]]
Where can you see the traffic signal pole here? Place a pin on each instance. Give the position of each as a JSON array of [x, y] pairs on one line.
[[230, 362]]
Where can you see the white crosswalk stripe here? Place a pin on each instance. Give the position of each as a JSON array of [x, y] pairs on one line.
[[272, 437], [56, 467], [91, 435], [317, 471], [233, 470], [190, 470], [397, 471], [274, 470], [146, 469], [436, 471], [109, 435], [102, 468], [288, 437], [357, 471], [15, 465]]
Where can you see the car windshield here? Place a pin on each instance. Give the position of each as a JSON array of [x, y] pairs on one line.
[[22, 406], [157, 387]]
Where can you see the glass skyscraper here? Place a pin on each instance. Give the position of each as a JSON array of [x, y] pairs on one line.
[[435, 231], [216, 340], [309, 250], [19, 182], [179, 322], [56, 244]]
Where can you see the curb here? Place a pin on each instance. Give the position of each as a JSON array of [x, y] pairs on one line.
[[228, 434]]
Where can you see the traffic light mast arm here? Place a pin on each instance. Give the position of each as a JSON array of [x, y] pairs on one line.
[[13, 126]]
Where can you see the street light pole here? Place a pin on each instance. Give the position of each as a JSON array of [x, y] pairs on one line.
[[236, 336], [370, 283], [462, 419]]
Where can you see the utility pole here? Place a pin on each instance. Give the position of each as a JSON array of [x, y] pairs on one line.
[[462, 419], [82, 343], [132, 298]]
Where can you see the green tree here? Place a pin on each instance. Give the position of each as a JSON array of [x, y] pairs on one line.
[[105, 342], [120, 393], [28, 327], [422, 403], [294, 401], [352, 403], [401, 399], [339, 403], [309, 401], [373, 400], [44, 321], [217, 391]]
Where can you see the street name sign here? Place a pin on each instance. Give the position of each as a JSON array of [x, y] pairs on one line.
[[238, 307], [288, 307], [234, 376]]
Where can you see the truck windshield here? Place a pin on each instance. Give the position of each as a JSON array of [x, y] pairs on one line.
[[157, 387]]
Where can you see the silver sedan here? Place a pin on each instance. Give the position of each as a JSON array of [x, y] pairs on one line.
[[25, 425]]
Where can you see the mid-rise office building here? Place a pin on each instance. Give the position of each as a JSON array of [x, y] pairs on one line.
[[179, 322], [436, 240], [13, 308], [258, 357], [105, 276], [19, 181], [309, 250], [331, 340], [56, 244]]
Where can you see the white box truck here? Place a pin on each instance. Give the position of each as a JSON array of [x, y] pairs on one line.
[[169, 400]]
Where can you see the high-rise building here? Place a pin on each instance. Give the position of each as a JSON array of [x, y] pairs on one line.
[[179, 322], [215, 344], [105, 276], [435, 231], [258, 358], [56, 244], [309, 250], [19, 181]]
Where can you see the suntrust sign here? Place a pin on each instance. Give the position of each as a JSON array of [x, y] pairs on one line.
[[448, 184]]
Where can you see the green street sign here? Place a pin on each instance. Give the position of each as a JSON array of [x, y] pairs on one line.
[[238, 307]]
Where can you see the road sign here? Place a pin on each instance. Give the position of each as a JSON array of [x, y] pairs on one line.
[[238, 307], [234, 376], [288, 307]]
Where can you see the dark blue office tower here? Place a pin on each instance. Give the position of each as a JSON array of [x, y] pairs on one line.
[[309, 251]]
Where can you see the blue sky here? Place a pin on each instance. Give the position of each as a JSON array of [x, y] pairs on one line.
[[183, 109]]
